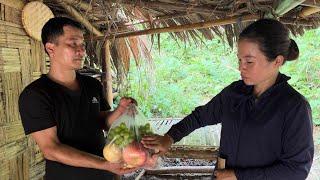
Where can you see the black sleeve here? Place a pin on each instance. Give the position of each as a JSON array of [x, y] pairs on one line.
[[208, 114], [297, 151], [35, 111]]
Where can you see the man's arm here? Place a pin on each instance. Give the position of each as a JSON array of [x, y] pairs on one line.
[[54, 150]]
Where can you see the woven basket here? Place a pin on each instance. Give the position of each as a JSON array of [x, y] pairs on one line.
[[34, 15]]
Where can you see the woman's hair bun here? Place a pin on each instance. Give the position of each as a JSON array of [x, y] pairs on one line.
[[293, 52]]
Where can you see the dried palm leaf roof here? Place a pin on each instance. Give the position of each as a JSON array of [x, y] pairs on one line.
[[123, 21]]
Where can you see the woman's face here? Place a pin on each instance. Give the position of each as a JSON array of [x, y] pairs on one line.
[[254, 67]]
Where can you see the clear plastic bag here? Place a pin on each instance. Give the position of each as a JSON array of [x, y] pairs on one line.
[[123, 140]]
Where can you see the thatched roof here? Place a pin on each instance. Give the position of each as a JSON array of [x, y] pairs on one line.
[[188, 20]]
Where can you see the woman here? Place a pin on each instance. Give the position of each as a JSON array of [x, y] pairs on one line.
[[266, 124]]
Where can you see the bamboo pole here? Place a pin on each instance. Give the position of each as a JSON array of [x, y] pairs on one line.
[[81, 19], [311, 3], [107, 79], [285, 6], [307, 11], [179, 28], [78, 3]]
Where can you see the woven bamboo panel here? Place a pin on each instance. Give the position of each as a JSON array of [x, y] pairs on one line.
[[2, 111], [13, 132], [11, 60], [2, 137], [17, 4], [19, 168], [1, 12], [12, 87], [26, 73], [11, 28], [37, 171], [13, 149], [12, 15], [35, 156], [38, 56], [4, 169], [14, 41]]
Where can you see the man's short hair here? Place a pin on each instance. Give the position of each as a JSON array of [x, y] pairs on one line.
[[54, 28]]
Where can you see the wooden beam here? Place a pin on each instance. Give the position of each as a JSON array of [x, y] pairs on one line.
[[311, 3], [285, 6], [107, 79], [208, 153], [204, 9], [307, 11], [179, 28], [17, 4], [73, 12], [181, 170]]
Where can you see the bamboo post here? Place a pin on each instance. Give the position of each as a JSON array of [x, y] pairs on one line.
[[107, 80], [81, 19], [285, 6], [179, 28], [307, 11]]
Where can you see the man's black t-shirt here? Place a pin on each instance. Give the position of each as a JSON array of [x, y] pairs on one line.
[[45, 103]]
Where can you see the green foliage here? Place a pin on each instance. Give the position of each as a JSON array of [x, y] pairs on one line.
[[186, 76]]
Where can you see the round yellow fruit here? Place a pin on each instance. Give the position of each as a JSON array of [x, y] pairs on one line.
[[112, 153]]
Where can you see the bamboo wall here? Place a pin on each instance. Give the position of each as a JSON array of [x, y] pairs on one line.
[[22, 60]]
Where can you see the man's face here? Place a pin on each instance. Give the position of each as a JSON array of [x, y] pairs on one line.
[[68, 52], [254, 66]]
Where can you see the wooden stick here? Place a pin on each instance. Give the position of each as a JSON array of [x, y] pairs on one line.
[[107, 68], [307, 11], [181, 169], [293, 21], [311, 3], [81, 4], [81, 19], [176, 7], [179, 28]]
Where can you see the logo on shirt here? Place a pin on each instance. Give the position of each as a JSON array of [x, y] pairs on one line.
[[94, 100]]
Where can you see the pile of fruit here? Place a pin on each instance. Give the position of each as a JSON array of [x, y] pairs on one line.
[[124, 145]]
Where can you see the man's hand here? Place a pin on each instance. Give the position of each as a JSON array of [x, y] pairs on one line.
[[119, 169], [124, 103], [226, 174]]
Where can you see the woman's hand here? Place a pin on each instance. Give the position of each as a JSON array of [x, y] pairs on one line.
[[225, 174], [160, 144]]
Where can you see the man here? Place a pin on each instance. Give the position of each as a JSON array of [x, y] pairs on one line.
[[65, 112]]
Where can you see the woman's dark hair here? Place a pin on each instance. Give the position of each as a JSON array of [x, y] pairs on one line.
[[54, 28], [273, 39]]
